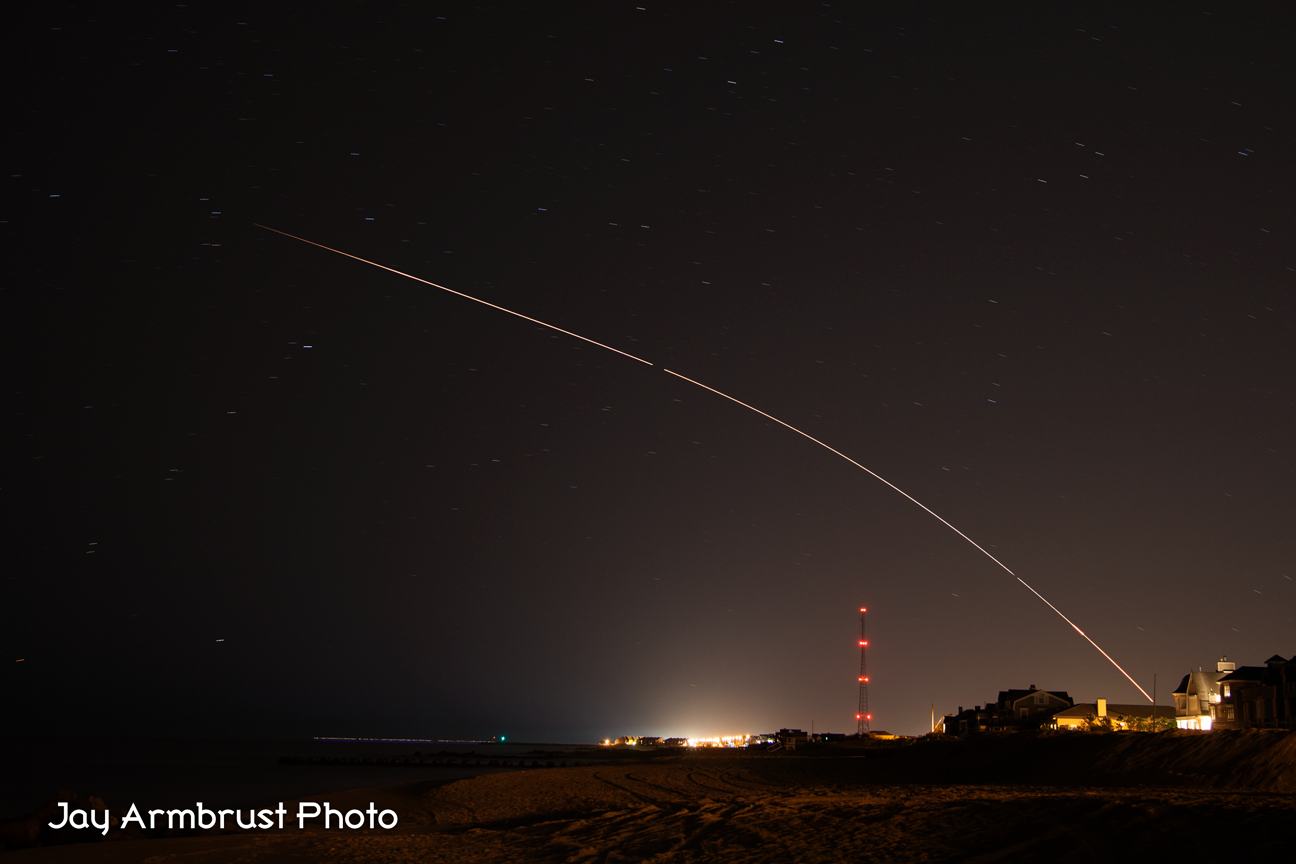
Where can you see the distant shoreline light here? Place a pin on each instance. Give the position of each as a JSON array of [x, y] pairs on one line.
[[717, 741]]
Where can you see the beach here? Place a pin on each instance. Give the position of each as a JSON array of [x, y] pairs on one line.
[[753, 807]]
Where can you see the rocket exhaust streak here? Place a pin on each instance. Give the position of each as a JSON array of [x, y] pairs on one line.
[[978, 546], [929, 510], [452, 291], [1085, 635], [853, 462]]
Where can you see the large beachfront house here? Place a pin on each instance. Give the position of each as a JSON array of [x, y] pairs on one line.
[[1258, 696], [1198, 696], [1238, 697]]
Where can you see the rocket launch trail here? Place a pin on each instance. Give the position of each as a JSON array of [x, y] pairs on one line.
[[933, 513], [452, 291], [929, 510]]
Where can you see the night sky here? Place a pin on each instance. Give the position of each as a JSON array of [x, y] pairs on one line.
[[1032, 265]]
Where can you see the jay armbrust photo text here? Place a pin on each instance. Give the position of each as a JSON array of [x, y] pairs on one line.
[[202, 817]]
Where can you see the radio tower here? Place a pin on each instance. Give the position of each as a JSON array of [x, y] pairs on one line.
[[863, 718]]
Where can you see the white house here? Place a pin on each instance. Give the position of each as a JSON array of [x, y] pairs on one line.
[[1197, 697]]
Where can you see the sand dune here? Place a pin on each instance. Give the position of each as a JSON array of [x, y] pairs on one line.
[[801, 811], [717, 807]]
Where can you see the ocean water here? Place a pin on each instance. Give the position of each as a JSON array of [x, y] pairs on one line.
[[234, 774]]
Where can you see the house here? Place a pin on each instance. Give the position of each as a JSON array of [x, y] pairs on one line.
[[1121, 716], [789, 738], [964, 723], [783, 739], [1022, 706], [1258, 696], [1015, 709], [1197, 697]]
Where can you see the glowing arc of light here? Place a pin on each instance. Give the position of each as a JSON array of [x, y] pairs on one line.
[[848, 459], [782, 423], [941, 519], [452, 291], [1085, 635]]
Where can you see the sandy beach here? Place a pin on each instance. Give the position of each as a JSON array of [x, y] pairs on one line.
[[812, 807]]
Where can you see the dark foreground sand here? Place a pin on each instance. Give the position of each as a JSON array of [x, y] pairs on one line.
[[781, 808]]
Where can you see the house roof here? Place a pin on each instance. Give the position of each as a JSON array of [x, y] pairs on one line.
[[1246, 673], [1199, 683], [1009, 696]]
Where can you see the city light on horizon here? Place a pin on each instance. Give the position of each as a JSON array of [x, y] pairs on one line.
[[742, 740]]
